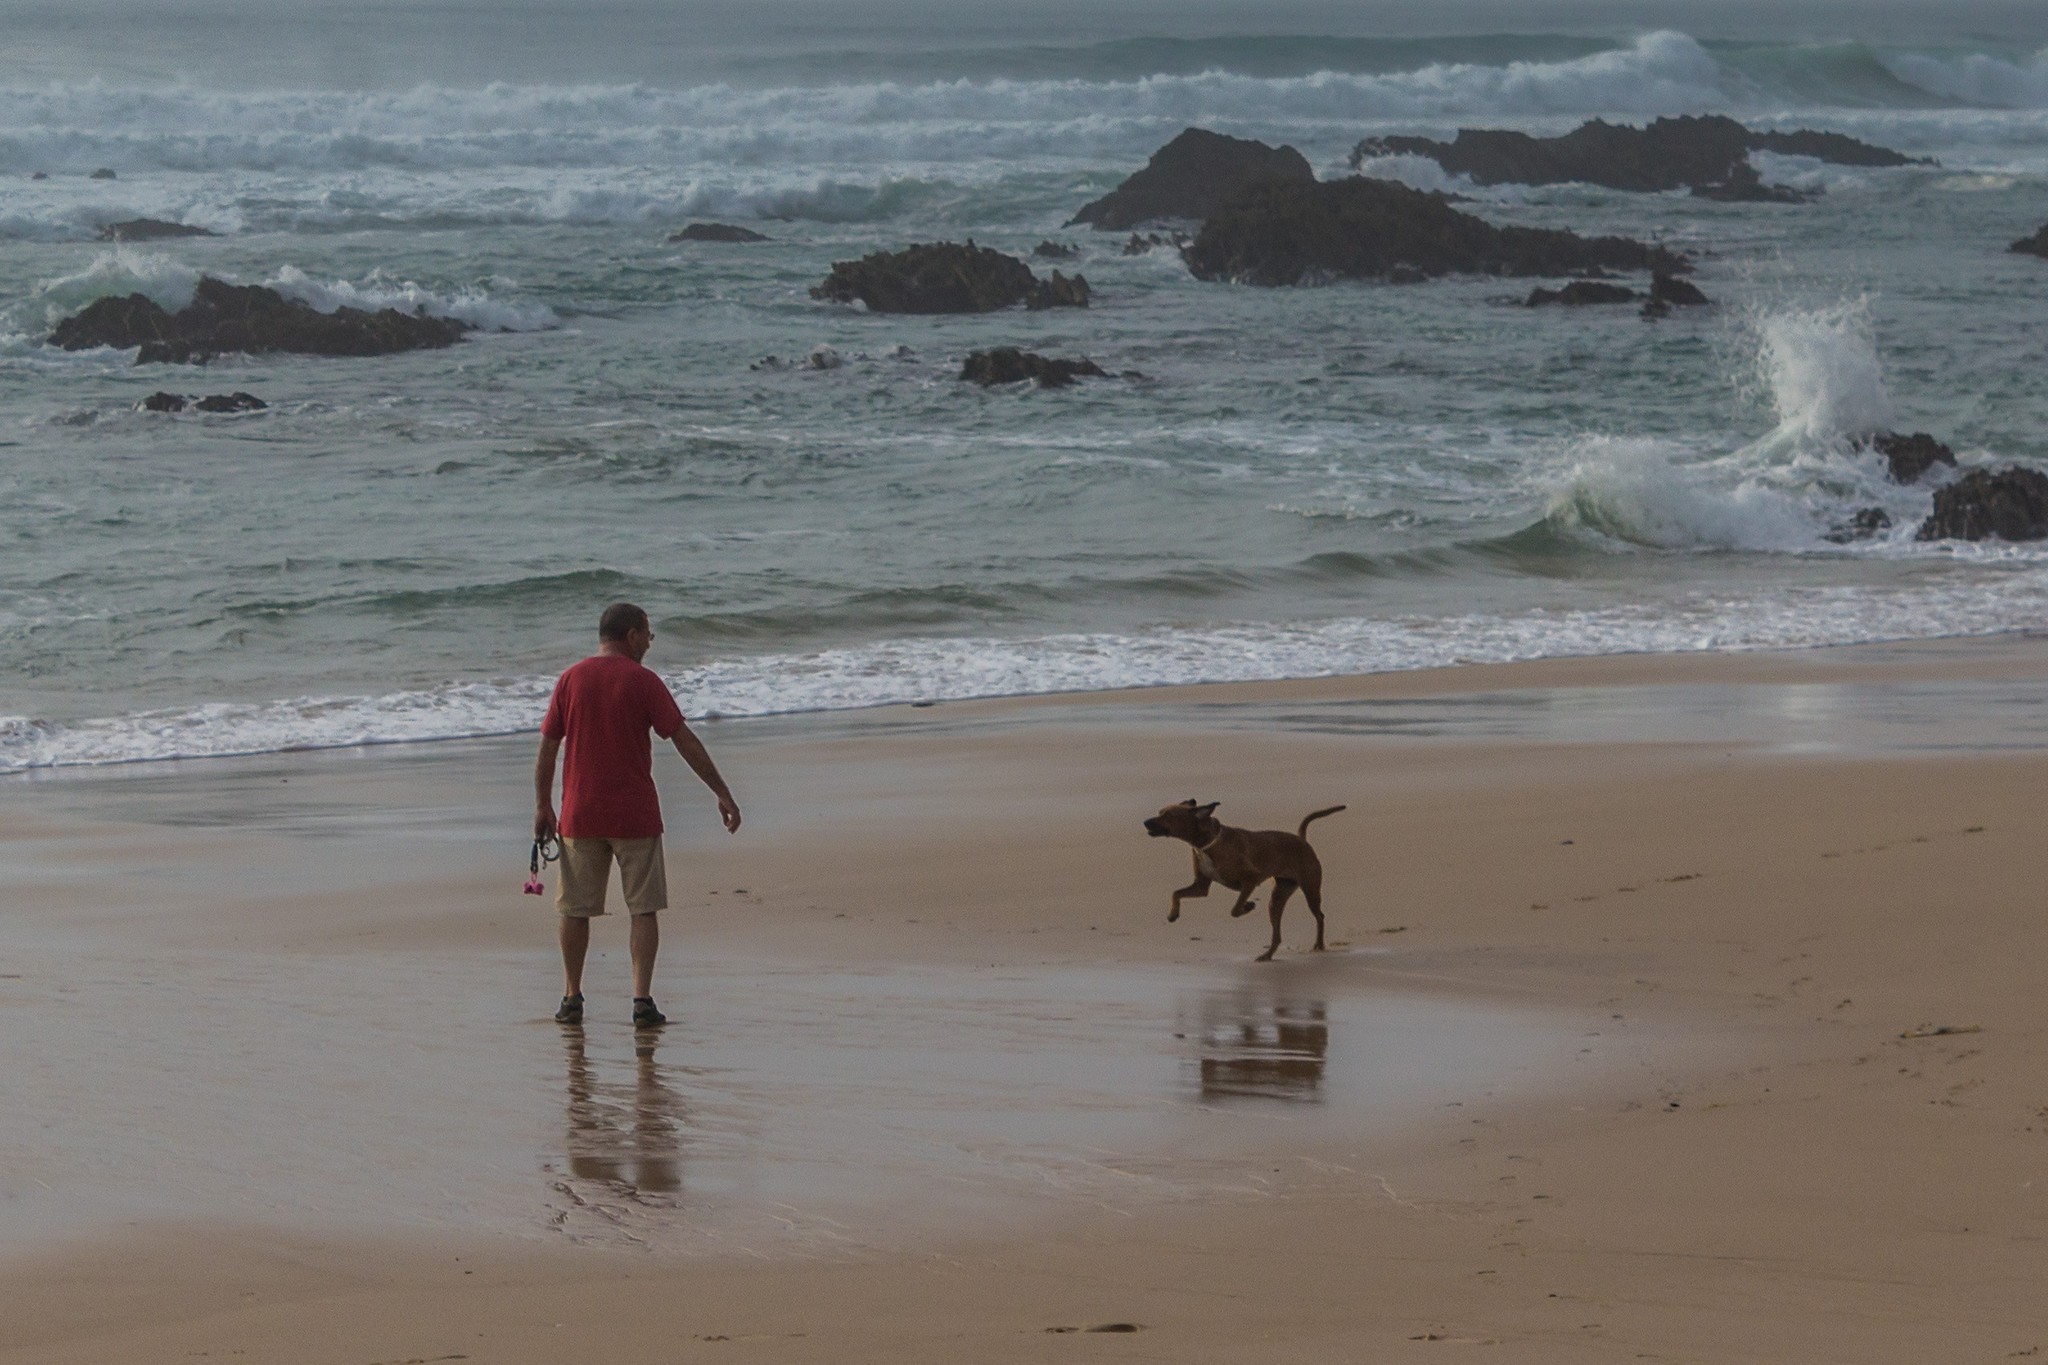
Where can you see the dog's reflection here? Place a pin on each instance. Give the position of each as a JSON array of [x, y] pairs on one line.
[[1259, 1045], [624, 1133]]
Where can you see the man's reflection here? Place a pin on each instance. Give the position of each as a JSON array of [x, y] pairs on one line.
[[1256, 1044], [624, 1134]]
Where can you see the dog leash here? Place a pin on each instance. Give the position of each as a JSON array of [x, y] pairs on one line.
[[541, 858]]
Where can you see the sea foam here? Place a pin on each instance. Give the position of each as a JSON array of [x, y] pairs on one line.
[[897, 671]]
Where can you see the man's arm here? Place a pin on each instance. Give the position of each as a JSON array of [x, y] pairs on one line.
[[544, 788], [699, 758]]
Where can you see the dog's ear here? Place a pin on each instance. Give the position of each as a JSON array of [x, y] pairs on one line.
[[1189, 803], [1209, 809]]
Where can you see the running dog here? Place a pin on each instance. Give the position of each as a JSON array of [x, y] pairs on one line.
[[1242, 858]]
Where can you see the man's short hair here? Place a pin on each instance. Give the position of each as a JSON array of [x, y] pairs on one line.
[[620, 619]]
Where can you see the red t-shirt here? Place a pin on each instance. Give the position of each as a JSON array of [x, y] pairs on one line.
[[603, 709]]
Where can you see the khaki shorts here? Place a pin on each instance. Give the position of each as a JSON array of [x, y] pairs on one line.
[[587, 866]]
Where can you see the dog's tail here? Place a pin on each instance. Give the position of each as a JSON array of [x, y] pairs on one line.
[[1311, 818]]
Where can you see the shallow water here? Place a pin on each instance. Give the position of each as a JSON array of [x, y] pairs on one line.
[[786, 1107]]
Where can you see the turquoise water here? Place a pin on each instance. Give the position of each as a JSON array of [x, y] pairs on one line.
[[1307, 481]]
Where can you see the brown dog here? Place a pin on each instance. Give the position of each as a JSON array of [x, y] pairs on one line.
[[1242, 858]]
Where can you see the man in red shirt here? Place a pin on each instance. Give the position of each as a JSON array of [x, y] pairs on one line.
[[603, 709]]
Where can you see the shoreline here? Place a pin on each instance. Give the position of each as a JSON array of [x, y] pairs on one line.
[[2003, 654], [933, 969]]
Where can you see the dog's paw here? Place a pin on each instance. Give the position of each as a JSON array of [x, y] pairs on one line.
[[1173, 914], [1244, 909]]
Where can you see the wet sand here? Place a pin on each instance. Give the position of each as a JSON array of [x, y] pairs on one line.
[[1606, 1061]]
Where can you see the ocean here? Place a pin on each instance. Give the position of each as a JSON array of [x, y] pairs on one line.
[[1298, 482]]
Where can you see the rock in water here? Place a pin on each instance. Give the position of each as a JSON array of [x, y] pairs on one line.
[[2036, 245], [150, 230], [213, 402], [1189, 177], [1579, 293], [2011, 504], [1009, 365], [1287, 232], [716, 232], [1053, 251], [250, 318], [103, 173], [1908, 457], [1668, 289], [1867, 522], [1061, 291], [1744, 186], [231, 402], [945, 277], [1669, 154]]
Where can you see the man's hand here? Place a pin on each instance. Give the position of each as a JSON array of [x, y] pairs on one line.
[[544, 822], [729, 811]]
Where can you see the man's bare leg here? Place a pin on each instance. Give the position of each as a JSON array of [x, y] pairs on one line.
[[575, 945], [646, 942]]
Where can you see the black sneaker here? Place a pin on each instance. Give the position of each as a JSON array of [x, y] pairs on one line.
[[644, 1013], [570, 1011]]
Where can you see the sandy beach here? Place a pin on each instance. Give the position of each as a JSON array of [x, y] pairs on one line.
[[1677, 1008]]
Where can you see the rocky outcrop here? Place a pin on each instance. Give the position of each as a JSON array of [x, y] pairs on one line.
[[1189, 177], [1580, 293], [213, 402], [2036, 245], [150, 230], [716, 232], [2011, 504], [1908, 457], [1669, 154], [1668, 292], [1288, 232], [226, 317], [1009, 365], [1744, 186], [945, 277], [103, 173], [1054, 251]]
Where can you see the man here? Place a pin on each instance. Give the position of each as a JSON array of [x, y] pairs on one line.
[[604, 708]]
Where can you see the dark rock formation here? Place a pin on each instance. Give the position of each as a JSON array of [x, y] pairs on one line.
[[1061, 291], [2011, 504], [1054, 251], [1008, 365], [103, 173], [1668, 292], [2036, 245], [1287, 232], [1579, 293], [230, 317], [1744, 186], [1189, 177], [1909, 456], [231, 402], [1867, 522], [1669, 154], [213, 402], [150, 230], [1668, 289], [945, 277], [716, 232], [40, 175]]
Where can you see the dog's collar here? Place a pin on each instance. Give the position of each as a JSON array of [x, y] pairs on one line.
[[1204, 848]]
